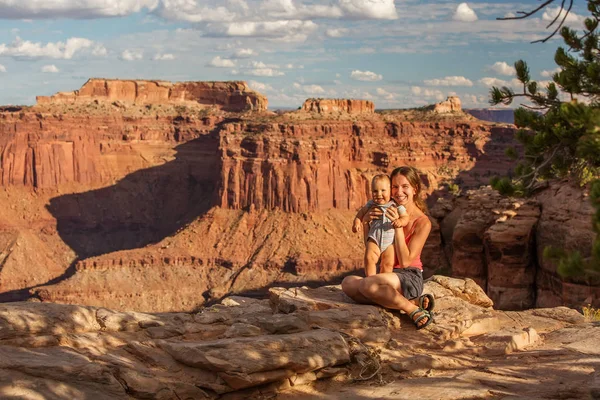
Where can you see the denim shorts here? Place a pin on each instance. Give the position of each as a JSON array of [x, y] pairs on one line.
[[411, 281]]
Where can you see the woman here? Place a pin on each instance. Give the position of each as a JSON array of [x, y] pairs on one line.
[[394, 289]]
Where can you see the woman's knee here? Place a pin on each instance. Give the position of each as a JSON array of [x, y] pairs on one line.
[[368, 287], [350, 284]]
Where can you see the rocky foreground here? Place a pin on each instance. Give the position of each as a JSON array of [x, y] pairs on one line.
[[300, 343]]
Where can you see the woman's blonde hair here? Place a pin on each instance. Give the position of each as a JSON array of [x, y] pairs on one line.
[[412, 175]]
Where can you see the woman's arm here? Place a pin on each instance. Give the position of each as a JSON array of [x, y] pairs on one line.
[[407, 254]]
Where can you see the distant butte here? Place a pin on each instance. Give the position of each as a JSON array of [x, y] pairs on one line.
[[451, 104], [328, 106], [233, 96]]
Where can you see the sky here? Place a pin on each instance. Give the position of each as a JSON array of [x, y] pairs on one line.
[[396, 53]]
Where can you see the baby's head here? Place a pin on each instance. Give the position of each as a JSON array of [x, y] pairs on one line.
[[381, 189]]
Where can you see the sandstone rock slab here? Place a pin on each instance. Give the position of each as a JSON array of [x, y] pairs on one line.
[[300, 352]]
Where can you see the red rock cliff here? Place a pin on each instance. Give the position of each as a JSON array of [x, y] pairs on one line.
[[229, 96], [321, 164], [328, 106]]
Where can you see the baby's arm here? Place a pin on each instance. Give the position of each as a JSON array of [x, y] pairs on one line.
[[357, 224], [403, 219]]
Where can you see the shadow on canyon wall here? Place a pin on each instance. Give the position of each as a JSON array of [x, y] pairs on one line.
[[490, 161], [145, 206]]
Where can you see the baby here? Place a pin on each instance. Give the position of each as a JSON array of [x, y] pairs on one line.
[[381, 232]]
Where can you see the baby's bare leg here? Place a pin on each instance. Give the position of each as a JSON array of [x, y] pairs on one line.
[[372, 254], [387, 259]]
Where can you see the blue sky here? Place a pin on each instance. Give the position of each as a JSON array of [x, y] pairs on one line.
[[397, 53]]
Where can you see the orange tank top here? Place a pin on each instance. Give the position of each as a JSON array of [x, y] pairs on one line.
[[417, 261]]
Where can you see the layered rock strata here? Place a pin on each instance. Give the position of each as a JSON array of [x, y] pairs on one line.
[[331, 106], [300, 343], [229, 96], [499, 242]]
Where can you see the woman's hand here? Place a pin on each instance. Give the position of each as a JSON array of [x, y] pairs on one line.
[[394, 216], [373, 214]]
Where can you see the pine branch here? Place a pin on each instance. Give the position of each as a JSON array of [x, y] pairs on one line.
[[559, 25], [527, 14], [562, 6], [537, 169]]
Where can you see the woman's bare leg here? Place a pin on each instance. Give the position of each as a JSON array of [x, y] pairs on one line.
[[350, 286], [385, 290]]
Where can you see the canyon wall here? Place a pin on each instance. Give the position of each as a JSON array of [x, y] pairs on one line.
[[164, 207], [230, 96], [320, 164], [347, 106]]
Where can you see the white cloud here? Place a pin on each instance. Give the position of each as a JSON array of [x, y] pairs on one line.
[[163, 57], [238, 5], [549, 73], [260, 64], [49, 69], [357, 94], [346, 9], [282, 30], [487, 81], [336, 32], [366, 76], [385, 94], [544, 84], [243, 53], [425, 93], [99, 51], [551, 12], [2, 68], [309, 89], [261, 87], [190, 11], [59, 50], [132, 55], [372, 9], [449, 81], [51, 9], [434, 94], [264, 72], [219, 62], [464, 13], [502, 68]]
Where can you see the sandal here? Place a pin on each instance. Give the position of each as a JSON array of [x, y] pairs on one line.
[[424, 314], [431, 304]]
